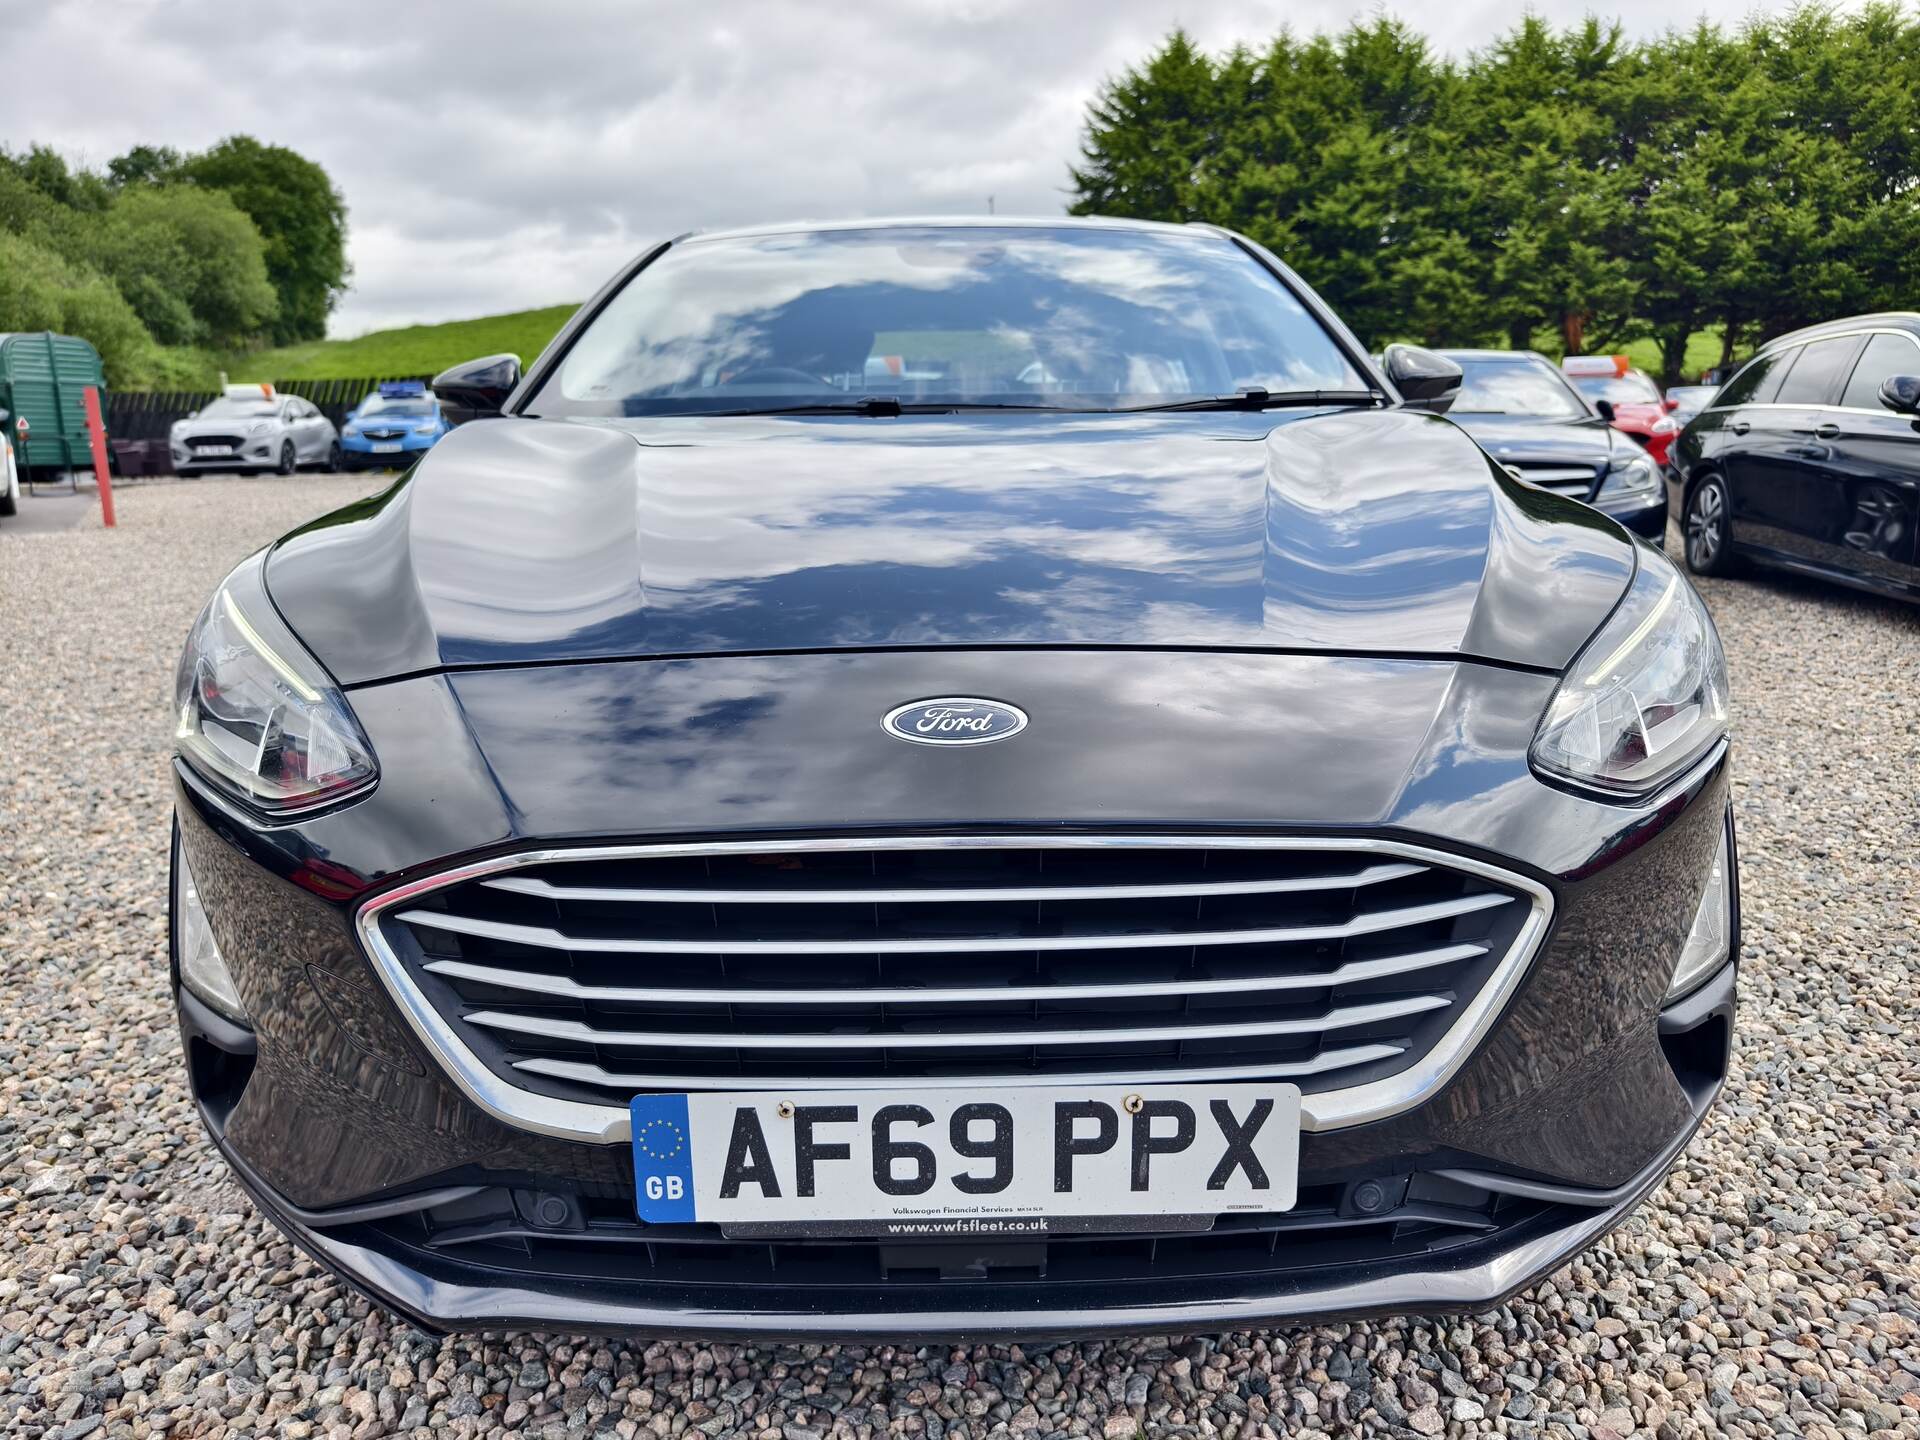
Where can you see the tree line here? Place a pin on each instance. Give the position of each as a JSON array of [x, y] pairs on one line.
[[1568, 188], [162, 257]]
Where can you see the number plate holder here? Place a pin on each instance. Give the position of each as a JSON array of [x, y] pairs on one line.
[[953, 1163]]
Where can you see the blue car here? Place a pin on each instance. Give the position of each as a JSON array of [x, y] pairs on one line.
[[392, 427]]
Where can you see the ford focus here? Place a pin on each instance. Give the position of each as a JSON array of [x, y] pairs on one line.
[[948, 779]]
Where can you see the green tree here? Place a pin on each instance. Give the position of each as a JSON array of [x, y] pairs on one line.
[[190, 263], [144, 165], [1155, 135], [41, 290], [300, 217]]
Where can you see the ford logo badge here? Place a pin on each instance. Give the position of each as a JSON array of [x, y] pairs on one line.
[[955, 720]]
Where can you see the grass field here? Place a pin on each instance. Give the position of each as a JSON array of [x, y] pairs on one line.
[[414, 350], [1703, 353]]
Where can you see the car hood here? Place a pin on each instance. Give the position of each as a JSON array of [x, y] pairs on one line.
[[224, 426], [1511, 438], [1362, 532], [1637, 414]]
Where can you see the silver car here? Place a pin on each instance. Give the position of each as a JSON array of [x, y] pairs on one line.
[[249, 427]]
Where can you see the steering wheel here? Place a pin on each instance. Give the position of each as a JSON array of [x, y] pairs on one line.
[[776, 375]]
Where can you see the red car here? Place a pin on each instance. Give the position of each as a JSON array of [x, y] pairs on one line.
[[1637, 406]]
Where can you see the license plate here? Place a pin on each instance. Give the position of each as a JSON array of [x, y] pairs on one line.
[[386, 447], [926, 1163], [213, 449]]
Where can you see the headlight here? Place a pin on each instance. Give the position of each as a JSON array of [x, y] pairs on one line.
[[1710, 940], [261, 427], [256, 714], [1646, 698], [202, 970], [1629, 476]]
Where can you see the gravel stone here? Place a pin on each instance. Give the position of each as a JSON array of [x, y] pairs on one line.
[[1767, 1288]]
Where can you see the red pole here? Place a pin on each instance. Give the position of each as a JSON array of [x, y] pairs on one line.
[[97, 433]]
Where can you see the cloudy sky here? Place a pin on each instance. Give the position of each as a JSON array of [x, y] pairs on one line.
[[519, 152]]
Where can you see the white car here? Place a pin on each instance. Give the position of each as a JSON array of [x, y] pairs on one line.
[[249, 427], [9, 477]]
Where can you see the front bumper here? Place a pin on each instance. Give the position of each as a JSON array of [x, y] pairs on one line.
[[442, 1293], [361, 1146], [1645, 514]]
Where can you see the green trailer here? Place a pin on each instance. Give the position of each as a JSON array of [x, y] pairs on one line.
[[42, 377]]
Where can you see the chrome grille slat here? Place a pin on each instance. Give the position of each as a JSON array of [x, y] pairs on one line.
[[1326, 1060], [544, 937], [1338, 1019], [549, 981], [880, 895], [1546, 474], [567, 988]]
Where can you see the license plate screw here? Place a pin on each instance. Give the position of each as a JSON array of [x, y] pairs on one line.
[[1132, 1104], [784, 1109]]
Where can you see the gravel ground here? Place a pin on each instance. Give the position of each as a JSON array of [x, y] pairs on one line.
[[1769, 1287]]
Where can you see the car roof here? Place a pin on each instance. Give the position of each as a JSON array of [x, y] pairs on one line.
[[1908, 320], [956, 222]]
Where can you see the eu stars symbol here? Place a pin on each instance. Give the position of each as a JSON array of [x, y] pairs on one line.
[[662, 1159]]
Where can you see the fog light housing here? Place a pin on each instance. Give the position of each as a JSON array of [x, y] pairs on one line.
[[202, 970], [1709, 941]]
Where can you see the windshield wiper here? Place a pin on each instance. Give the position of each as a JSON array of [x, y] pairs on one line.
[[1255, 398], [881, 405]]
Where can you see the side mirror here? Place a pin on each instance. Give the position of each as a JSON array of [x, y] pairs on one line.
[[1426, 381], [477, 389], [1901, 394], [1604, 409], [1670, 403], [351, 416]]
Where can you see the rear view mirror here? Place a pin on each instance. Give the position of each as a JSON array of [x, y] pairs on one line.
[[1901, 394], [1426, 381], [477, 389], [1604, 409]]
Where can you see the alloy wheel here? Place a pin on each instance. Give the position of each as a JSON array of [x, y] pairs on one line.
[[1706, 526]]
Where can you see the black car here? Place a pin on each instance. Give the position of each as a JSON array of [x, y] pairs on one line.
[[947, 779], [1809, 459], [1530, 418]]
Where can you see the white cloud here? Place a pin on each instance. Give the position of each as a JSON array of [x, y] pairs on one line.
[[501, 155]]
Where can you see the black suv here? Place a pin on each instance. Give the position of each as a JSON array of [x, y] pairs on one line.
[[1809, 458]]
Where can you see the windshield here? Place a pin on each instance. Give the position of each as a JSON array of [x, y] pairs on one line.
[[226, 408], [1055, 318], [1620, 389], [1508, 387], [380, 405]]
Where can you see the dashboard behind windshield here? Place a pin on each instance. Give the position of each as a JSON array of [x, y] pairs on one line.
[[1028, 316]]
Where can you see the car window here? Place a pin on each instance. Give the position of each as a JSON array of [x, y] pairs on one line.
[[1756, 384], [1885, 355], [1816, 373], [1507, 387], [1082, 319]]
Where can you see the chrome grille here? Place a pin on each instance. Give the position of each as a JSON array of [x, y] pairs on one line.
[[555, 985], [1575, 480]]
